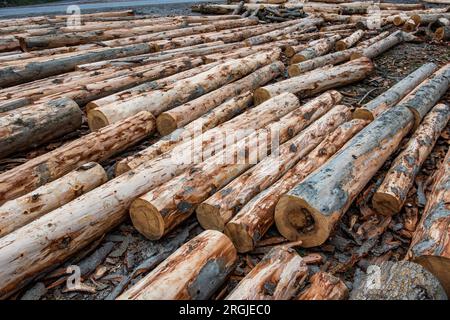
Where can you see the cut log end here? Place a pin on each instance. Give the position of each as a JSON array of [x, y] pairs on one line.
[[364, 114], [209, 217], [356, 55], [294, 70], [96, 120], [165, 124], [440, 34], [341, 45], [386, 204], [297, 221], [240, 236], [121, 168], [260, 95], [439, 267], [289, 51], [298, 58], [146, 219]]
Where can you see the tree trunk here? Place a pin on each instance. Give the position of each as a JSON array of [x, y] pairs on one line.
[[277, 276], [391, 194], [424, 19], [443, 33], [9, 43], [20, 211], [320, 48], [257, 216], [338, 27], [217, 210], [392, 96], [96, 146], [169, 121], [324, 286], [383, 45], [317, 81], [310, 211], [349, 41], [402, 280], [158, 101], [430, 245], [193, 272], [31, 126]]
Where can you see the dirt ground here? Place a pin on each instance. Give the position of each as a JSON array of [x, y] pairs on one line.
[[362, 237]]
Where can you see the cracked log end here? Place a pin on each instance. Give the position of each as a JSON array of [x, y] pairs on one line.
[[296, 220], [364, 114], [209, 217], [260, 95], [147, 219], [240, 236], [386, 204], [96, 119], [165, 124]]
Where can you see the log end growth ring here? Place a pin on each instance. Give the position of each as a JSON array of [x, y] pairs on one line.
[[260, 95], [96, 120], [209, 217], [147, 219], [165, 124]]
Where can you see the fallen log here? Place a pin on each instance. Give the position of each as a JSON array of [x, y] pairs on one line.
[[430, 245], [97, 146], [401, 280], [320, 48], [443, 33], [303, 215], [350, 41], [257, 216], [317, 81], [158, 101], [217, 210], [393, 95], [194, 272], [424, 19], [391, 194], [31, 126], [276, 277], [9, 43], [20, 211], [169, 121], [324, 286], [441, 22]]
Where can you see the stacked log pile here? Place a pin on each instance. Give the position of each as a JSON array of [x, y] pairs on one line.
[[229, 121]]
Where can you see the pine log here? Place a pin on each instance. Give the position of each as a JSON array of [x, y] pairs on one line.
[[320, 48], [324, 286], [97, 146], [401, 280], [430, 245], [169, 121], [257, 216], [31, 126], [75, 225], [9, 43], [424, 19], [20, 211], [317, 81], [393, 95], [217, 210], [310, 211], [441, 22], [391, 194], [350, 41], [276, 277], [443, 33], [158, 101], [193, 272]]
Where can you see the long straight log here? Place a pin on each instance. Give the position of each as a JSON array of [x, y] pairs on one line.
[[9, 43], [217, 210], [20, 211], [317, 81], [158, 101], [169, 121], [194, 272], [257, 216], [324, 286], [32, 126], [430, 243], [424, 19], [350, 41], [320, 48], [97, 146], [391, 194], [393, 95], [276, 277]]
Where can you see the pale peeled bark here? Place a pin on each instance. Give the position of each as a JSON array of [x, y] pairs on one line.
[[170, 120], [158, 101], [350, 41], [310, 211], [430, 244], [32, 126], [393, 95], [97, 146], [20, 211], [317, 81], [217, 210], [320, 48], [338, 27], [324, 286], [257, 216], [391, 194], [423, 19], [194, 272], [277, 276]]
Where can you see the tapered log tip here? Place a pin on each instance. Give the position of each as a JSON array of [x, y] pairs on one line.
[[209, 217], [363, 114], [297, 221], [146, 219], [239, 236], [385, 203], [96, 119], [260, 95], [294, 70], [165, 124]]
